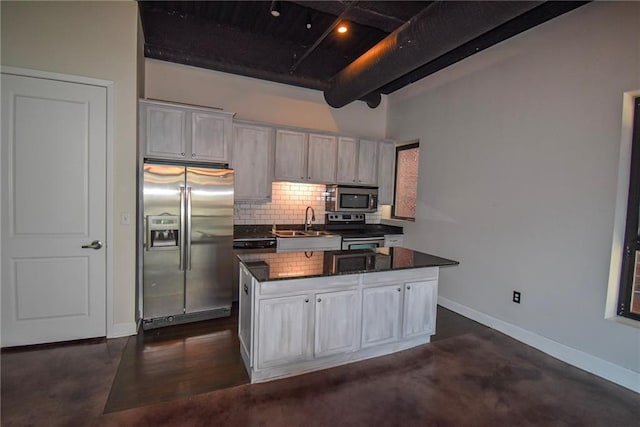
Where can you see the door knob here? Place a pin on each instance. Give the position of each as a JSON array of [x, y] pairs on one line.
[[96, 244]]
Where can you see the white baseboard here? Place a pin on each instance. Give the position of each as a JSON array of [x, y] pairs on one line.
[[607, 370], [118, 330]]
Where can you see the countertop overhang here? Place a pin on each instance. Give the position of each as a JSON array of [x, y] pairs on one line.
[[300, 265]]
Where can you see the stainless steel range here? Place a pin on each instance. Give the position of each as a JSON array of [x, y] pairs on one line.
[[353, 229]]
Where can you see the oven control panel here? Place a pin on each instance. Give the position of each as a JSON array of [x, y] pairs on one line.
[[345, 218]]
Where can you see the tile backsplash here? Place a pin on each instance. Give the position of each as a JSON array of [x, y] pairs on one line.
[[288, 203]]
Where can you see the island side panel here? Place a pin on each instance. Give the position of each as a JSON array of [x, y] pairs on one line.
[[245, 318]]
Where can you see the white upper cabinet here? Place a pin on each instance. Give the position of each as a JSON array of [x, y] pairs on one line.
[[347, 161], [386, 172], [211, 134], [305, 157], [291, 155], [323, 154], [163, 131], [184, 133], [357, 161], [367, 162], [252, 161]]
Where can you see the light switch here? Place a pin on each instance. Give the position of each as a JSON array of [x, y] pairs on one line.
[[125, 218]]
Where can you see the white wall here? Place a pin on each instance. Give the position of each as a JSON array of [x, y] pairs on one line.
[[92, 39], [260, 100], [518, 168]]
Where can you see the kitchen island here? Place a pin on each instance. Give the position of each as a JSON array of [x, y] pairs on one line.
[[305, 311]]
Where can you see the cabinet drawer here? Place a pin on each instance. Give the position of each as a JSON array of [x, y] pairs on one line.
[[427, 273], [281, 287]]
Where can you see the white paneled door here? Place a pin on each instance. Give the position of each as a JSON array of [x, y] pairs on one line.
[[53, 170]]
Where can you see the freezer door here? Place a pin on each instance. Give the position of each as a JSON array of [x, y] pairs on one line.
[[163, 281], [210, 231]]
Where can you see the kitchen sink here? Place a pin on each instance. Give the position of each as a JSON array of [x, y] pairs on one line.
[[300, 233]]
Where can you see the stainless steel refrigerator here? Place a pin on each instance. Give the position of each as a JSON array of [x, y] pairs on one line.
[[188, 240]]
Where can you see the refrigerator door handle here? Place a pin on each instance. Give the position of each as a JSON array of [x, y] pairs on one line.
[[181, 240], [188, 233]]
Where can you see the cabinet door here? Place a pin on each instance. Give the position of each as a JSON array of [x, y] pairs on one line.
[[291, 156], [386, 172], [367, 162], [210, 137], [165, 132], [381, 314], [420, 300], [323, 156], [347, 160], [336, 324], [252, 156], [285, 334]]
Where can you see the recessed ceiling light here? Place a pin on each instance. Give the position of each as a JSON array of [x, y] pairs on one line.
[[275, 8], [309, 21], [342, 28]]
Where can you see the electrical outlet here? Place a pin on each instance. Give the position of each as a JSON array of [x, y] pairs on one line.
[[516, 297]]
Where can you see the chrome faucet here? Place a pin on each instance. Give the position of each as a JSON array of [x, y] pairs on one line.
[[307, 223]]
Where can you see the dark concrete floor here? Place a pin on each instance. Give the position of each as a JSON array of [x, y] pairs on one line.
[[468, 376]]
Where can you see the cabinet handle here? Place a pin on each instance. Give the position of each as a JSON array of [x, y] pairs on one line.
[[182, 154], [193, 154], [408, 287], [246, 289], [306, 300], [308, 177], [399, 289], [319, 299]]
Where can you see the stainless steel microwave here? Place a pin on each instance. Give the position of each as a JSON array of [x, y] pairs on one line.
[[348, 198]]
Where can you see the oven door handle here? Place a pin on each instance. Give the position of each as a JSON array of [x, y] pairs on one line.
[[361, 239]]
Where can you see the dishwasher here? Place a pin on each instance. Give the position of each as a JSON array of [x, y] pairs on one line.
[[245, 246]]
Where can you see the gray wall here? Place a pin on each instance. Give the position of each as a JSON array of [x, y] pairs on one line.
[[518, 169]]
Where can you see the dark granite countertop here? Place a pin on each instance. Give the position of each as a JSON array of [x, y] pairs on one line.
[[252, 232], [264, 231], [301, 265]]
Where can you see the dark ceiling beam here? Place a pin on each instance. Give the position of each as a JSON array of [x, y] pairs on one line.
[[321, 38], [534, 17], [359, 14], [424, 38]]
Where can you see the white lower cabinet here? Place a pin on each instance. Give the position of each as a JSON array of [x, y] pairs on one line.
[[336, 322], [289, 336], [381, 314], [420, 300], [303, 325], [385, 309], [286, 336]]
